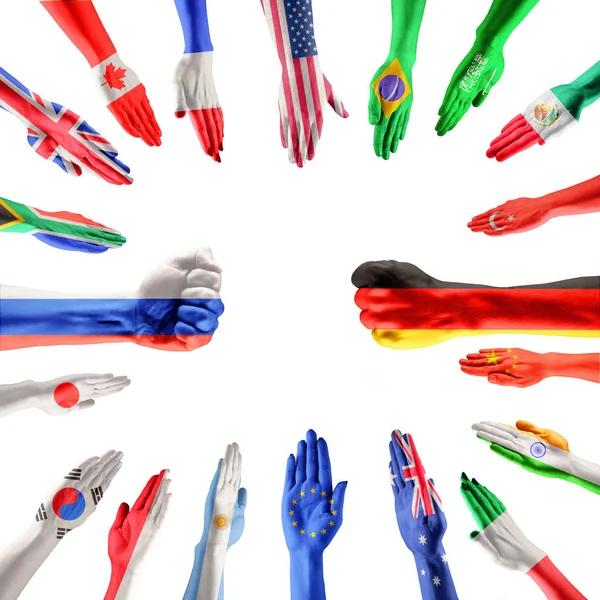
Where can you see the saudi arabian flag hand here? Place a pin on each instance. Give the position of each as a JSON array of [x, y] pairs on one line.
[[540, 451], [477, 74], [62, 230], [499, 536]]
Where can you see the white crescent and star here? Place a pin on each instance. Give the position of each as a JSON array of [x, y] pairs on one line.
[[492, 224]]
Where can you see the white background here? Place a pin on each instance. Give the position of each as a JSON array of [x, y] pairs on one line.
[[290, 352]]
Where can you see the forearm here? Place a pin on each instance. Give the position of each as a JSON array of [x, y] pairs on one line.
[[578, 199], [435, 578], [577, 366], [502, 19], [211, 571], [306, 577], [17, 396], [81, 23], [553, 583], [20, 561], [36, 318], [407, 16], [194, 23], [589, 84]]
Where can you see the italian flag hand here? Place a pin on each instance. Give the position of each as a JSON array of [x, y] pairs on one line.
[[501, 537], [541, 451]]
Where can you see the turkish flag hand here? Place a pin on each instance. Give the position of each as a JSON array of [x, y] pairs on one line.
[[196, 94], [126, 99], [514, 216], [507, 366], [134, 529]]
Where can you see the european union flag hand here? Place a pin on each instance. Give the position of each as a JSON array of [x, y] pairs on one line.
[[312, 513], [420, 517]]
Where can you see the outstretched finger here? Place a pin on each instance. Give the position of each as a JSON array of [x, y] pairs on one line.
[[199, 122], [530, 139]]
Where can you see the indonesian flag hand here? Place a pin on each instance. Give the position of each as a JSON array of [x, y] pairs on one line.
[[546, 117], [541, 451], [126, 99], [63, 230], [61, 136], [196, 95], [133, 531], [78, 494], [77, 392]]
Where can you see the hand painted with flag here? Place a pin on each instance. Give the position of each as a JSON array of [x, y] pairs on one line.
[[64, 509], [62, 230], [312, 513], [520, 368], [420, 517], [223, 527], [59, 135], [473, 80], [405, 308], [304, 90], [132, 534], [541, 451], [122, 89], [390, 102], [176, 308], [196, 95], [78, 494], [502, 539], [62, 395], [548, 116]]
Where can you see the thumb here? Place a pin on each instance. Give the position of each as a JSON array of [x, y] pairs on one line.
[[180, 103], [121, 516], [334, 100], [339, 494], [483, 94], [374, 108], [242, 500], [529, 427]]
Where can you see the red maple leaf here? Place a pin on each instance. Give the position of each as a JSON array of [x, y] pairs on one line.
[[114, 77]]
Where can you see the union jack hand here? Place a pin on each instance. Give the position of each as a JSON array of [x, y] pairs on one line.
[[418, 506], [304, 90], [58, 134], [78, 494], [196, 94]]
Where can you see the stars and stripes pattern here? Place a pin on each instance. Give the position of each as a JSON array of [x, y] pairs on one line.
[[41, 515], [44, 117], [425, 495], [303, 91]]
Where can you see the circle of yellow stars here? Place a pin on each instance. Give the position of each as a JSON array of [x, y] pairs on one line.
[[292, 512], [492, 359]]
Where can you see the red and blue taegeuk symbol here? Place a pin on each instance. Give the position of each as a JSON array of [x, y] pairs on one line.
[[68, 504]]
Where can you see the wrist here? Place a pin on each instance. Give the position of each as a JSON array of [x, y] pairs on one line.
[[306, 575], [489, 39]]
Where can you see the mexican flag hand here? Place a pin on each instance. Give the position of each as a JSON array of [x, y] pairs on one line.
[[540, 451], [547, 116], [501, 537]]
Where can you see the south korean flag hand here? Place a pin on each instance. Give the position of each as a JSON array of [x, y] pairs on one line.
[[78, 494]]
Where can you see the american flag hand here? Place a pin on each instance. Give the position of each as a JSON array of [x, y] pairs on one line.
[[304, 90]]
